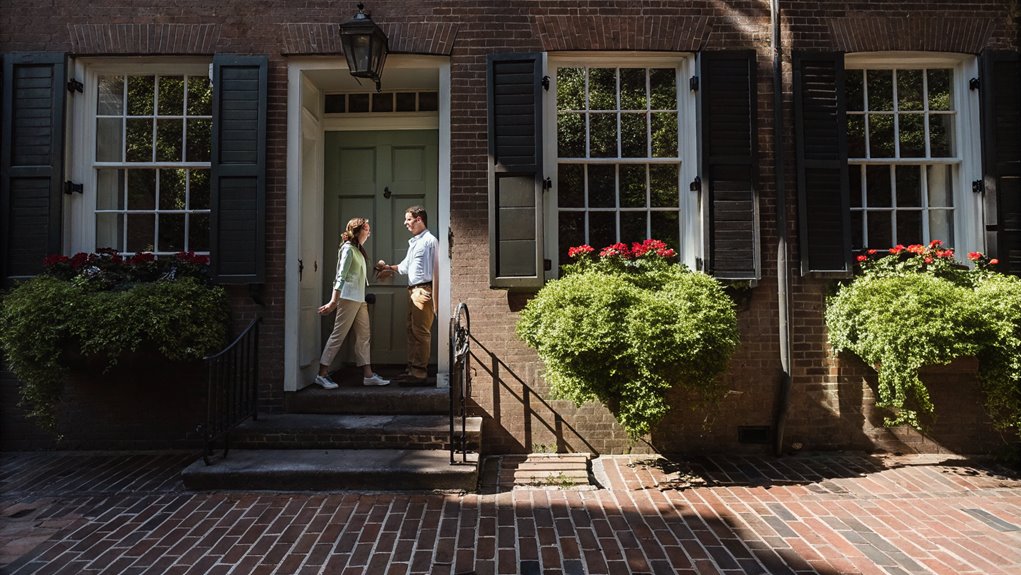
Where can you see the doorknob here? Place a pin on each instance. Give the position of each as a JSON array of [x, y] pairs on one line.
[[386, 192]]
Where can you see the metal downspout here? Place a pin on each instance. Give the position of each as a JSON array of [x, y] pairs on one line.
[[782, 271]]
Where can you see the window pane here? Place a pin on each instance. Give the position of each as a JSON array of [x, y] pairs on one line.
[[909, 227], [382, 102], [939, 90], [941, 226], [111, 96], [879, 230], [198, 189], [602, 86], [571, 186], [406, 102], [571, 136], [570, 89], [110, 231], [663, 185], [909, 186], [856, 231], [854, 82], [171, 233], [912, 136], [940, 185], [109, 189], [139, 140], [172, 183], [881, 135], [358, 103], [603, 135], [632, 186], [198, 232], [633, 227], [910, 94], [601, 186], [633, 136], [198, 141], [880, 87], [171, 95], [141, 93], [941, 134], [200, 96], [664, 135], [141, 190], [665, 227], [854, 185], [571, 231], [602, 229], [878, 181], [169, 140], [855, 136], [141, 232], [632, 89], [428, 101], [663, 86], [109, 140]]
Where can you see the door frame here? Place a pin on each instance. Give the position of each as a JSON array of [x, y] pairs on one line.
[[304, 97]]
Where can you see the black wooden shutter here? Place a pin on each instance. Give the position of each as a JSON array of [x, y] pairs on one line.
[[820, 132], [32, 166], [730, 163], [514, 83], [1001, 156], [239, 169]]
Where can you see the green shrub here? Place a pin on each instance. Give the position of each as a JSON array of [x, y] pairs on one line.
[[626, 328], [104, 315], [915, 306]]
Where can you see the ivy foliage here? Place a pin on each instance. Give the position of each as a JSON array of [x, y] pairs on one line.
[[626, 328], [41, 319], [913, 307]]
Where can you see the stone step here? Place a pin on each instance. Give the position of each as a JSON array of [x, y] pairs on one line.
[[391, 399], [334, 469], [336, 431]]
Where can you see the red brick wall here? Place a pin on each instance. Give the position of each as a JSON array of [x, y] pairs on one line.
[[828, 407]]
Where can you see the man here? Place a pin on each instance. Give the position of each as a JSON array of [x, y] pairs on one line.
[[420, 266]]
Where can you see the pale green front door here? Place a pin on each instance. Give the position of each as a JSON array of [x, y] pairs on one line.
[[378, 175]]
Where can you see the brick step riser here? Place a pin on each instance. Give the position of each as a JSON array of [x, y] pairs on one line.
[[361, 440], [319, 481], [374, 401]]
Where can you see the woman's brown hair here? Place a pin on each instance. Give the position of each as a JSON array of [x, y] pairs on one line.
[[353, 233]]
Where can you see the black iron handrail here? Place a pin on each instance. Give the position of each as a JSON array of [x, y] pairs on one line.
[[460, 377], [233, 388]]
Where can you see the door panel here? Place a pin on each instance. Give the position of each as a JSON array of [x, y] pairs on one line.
[[378, 175]]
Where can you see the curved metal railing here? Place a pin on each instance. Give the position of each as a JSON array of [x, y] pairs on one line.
[[460, 379], [233, 388]]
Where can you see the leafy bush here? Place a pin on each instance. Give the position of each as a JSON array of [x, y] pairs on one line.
[[627, 327], [100, 306], [915, 306]]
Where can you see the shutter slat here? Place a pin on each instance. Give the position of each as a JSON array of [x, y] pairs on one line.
[[729, 150], [238, 169], [821, 143], [32, 164]]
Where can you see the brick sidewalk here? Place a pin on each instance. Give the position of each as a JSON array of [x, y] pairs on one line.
[[825, 514]]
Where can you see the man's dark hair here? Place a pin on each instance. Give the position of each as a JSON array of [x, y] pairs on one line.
[[418, 212]]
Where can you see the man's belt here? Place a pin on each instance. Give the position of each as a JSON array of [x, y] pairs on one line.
[[423, 284]]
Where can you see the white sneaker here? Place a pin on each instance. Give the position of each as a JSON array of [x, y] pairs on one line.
[[325, 382], [375, 380]]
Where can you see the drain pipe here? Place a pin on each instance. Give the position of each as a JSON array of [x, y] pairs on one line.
[[782, 271]]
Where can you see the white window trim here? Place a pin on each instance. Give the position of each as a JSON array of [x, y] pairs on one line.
[[969, 221], [82, 143], [691, 218]]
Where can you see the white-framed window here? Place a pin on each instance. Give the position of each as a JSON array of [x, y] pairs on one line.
[[143, 155], [913, 150], [620, 139]]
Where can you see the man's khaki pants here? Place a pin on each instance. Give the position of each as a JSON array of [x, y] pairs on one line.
[[420, 323]]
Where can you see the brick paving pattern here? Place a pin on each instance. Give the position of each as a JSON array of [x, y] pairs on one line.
[[822, 514]]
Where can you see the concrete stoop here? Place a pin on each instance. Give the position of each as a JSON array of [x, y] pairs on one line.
[[334, 469]]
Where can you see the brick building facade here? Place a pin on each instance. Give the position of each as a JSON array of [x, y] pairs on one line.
[[451, 53]]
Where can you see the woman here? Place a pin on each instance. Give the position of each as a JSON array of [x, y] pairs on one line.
[[349, 302]]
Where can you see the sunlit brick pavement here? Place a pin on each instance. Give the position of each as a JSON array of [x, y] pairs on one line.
[[826, 514]]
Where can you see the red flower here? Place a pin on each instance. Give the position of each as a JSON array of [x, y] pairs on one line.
[[871, 252], [897, 249], [928, 260], [666, 253], [55, 259], [617, 249], [862, 257], [580, 250], [142, 258], [974, 256], [916, 249], [994, 261], [79, 260], [935, 243]]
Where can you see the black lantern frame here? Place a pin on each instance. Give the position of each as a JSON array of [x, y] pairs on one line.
[[365, 46]]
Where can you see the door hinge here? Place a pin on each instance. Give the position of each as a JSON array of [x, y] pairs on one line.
[[75, 86], [450, 243], [698, 264], [978, 187], [695, 185], [547, 265], [73, 188], [545, 83], [547, 185], [974, 84], [693, 83]]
